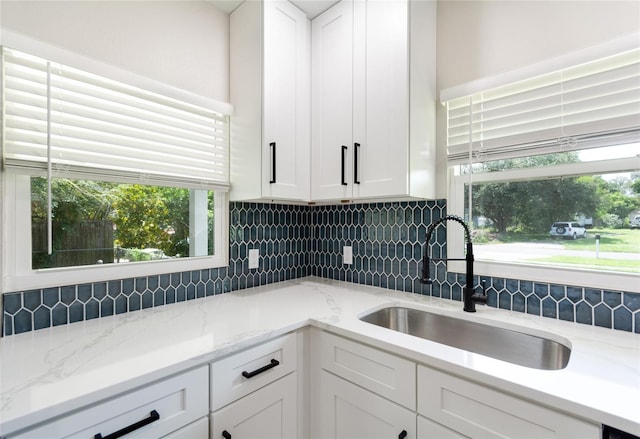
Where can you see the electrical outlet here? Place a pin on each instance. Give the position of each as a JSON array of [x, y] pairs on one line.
[[347, 255], [254, 258]]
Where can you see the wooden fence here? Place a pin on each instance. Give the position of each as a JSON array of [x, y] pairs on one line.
[[85, 243]]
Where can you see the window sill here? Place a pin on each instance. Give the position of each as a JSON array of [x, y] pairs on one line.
[[55, 277], [605, 280]]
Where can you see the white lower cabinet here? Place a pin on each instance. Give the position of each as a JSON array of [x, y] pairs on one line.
[[350, 412], [363, 392], [158, 410], [269, 413], [463, 408], [254, 393], [338, 389]]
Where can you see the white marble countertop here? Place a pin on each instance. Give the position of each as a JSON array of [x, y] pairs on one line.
[[49, 372]]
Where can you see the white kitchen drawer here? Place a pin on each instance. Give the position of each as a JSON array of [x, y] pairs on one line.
[[385, 374], [178, 401], [228, 382], [195, 430], [474, 410]]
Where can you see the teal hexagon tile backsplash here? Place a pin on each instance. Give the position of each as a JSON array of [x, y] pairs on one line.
[[298, 241]]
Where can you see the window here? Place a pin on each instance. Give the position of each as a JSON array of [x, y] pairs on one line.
[[98, 222], [111, 176], [547, 171]]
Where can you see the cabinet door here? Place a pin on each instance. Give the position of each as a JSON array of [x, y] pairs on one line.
[[331, 97], [349, 412], [381, 98], [268, 413], [286, 104], [474, 410]]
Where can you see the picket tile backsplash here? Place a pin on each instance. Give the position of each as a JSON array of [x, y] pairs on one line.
[[297, 241]]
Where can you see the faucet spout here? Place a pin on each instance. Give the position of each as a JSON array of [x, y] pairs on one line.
[[469, 296]]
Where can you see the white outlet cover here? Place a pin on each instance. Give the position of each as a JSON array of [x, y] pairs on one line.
[[254, 258], [347, 255]]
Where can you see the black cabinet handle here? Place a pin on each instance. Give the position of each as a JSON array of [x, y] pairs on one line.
[[153, 416], [226, 434], [271, 365], [272, 145], [344, 149], [402, 434], [356, 177]]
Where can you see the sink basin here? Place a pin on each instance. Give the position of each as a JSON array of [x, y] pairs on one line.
[[503, 344]]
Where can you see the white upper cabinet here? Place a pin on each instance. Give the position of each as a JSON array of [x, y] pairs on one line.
[[332, 102], [373, 94], [270, 90], [338, 109], [381, 98]]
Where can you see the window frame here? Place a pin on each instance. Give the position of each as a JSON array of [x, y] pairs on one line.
[[15, 233], [19, 276], [538, 273]]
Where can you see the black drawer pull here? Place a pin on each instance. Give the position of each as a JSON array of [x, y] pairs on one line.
[[226, 434], [273, 364], [356, 176], [153, 416], [343, 181], [272, 145], [402, 434]]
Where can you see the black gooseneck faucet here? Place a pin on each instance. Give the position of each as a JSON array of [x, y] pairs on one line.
[[470, 298]]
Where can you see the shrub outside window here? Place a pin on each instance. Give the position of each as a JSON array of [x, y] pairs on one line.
[[110, 223]]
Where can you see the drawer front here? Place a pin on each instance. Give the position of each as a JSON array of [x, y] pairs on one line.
[[385, 374], [228, 382], [178, 401], [478, 411]]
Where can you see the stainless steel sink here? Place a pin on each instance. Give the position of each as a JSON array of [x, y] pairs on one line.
[[502, 344]]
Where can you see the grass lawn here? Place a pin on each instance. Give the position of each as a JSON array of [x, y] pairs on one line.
[[624, 265], [625, 241], [611, 240]]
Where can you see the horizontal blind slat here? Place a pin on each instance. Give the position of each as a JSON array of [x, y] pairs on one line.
[[528, 117], [108, 127]]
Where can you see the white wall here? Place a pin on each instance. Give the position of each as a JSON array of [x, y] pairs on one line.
[[184, 44], [483, 38]]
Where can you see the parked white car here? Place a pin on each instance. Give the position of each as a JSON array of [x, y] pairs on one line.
[[567, 229], [635, 222]]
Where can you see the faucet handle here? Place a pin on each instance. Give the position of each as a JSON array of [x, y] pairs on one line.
[[481, 298]]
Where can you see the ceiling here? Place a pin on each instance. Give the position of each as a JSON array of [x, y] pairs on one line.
[[310, 7]]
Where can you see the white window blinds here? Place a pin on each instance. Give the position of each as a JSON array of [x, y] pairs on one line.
[[586, 106], [84, 124]]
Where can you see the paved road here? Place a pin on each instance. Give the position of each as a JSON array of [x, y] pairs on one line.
[[526, 251]]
